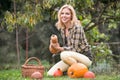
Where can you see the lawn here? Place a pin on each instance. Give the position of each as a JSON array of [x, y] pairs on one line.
[[15, 74], [102, 72]]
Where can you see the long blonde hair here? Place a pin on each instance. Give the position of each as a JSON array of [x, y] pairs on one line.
[[74, 19]]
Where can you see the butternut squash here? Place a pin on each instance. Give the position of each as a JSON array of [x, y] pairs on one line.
[[54, 40]]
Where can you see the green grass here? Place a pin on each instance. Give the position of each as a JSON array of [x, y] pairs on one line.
[[15, 74], [101, 72]]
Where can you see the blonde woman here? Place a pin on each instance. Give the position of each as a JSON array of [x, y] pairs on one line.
[[76, 48]]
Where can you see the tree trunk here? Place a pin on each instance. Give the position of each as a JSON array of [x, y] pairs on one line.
[[17, 47], [17, 44], [26, 43]]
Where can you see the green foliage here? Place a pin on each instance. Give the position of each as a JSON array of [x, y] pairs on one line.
[[102, 68], [101, 52], [10, 20], [95, 36], [24, 18], [112, 25]]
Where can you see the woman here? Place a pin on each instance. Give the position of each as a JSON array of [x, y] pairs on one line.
[[75, 47]]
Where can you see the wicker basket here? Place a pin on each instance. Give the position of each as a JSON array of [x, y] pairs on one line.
[[28, 69]]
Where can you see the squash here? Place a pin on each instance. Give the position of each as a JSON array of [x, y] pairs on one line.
[[81, 58], [54, 40], [77, 70], [60, 65]]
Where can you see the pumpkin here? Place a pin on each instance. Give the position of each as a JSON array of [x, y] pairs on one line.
[[36, 75], [77, 70], [54, 40], [58, 73], [89, 74]]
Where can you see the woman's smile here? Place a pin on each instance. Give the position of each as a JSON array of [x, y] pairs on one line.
[[65, 15]]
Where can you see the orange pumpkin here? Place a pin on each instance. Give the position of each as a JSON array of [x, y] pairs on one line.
[[77, 70], [54, 40]]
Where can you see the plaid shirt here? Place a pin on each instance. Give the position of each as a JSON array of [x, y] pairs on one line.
[[76, 40]]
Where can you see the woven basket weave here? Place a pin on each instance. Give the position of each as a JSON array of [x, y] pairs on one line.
[[28, 69]]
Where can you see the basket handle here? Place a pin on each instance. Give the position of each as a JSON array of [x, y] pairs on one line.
[[32, 58]]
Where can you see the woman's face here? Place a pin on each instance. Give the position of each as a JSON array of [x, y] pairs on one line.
[[65, 15]]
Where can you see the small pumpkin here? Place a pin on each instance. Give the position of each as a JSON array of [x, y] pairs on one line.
[[54, 40], [89, 74], [36, 75], [58, 73], [77, 70]]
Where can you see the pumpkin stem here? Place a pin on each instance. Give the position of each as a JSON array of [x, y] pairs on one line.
[[58, 68], [71, 73]]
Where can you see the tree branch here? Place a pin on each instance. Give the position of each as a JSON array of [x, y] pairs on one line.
[[98, 19]]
